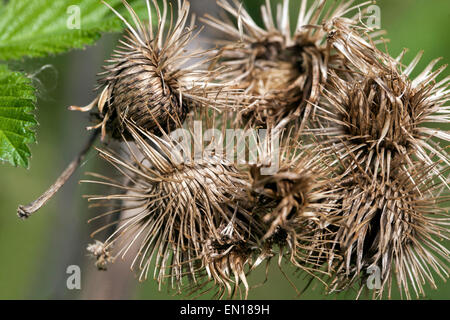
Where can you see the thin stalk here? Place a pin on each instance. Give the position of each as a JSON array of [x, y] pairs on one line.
[[26, 211]]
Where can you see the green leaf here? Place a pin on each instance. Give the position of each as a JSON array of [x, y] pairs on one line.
[[17, 100], [41, 27]]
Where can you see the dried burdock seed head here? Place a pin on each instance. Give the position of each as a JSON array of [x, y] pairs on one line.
[[148, 82], [392, 226], [174, 207], [284, 69], [152, 80], [382, 115], [297, 206], [288, 193], [375, 120]]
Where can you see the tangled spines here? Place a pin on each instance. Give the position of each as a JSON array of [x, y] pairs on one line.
[[176, 207], [361, 180], [385, 114], [283, 68], [295, 202], [147, 80], [391, 221], [375, 119], [205, 220]]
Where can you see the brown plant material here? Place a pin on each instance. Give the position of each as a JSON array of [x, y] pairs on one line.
[[357, 44], [101, 254], [297, 205], [283, 69], [227, 262], [369, 191], [393, 194], [375, 111], [149, 80], [392, 221], [180, 205], [290, 190]]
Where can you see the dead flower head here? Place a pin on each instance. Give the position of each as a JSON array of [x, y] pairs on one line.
[[283, 69], [393, 222], [375, 116], [174, 207], [151, 79], [375, 122], [297, 206]]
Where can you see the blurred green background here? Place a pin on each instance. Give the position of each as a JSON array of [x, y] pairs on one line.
[[35, 254]]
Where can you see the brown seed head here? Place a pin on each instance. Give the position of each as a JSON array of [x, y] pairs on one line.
[[392, 223], [284, 70], [297, 206], [153, 80], [176, 207], [375, 118]]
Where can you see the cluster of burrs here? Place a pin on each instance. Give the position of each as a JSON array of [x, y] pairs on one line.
[[360, 181]]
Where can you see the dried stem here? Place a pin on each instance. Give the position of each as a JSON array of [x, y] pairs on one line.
[[25, 211]]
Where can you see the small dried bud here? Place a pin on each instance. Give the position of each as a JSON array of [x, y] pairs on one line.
[[101, 253]]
